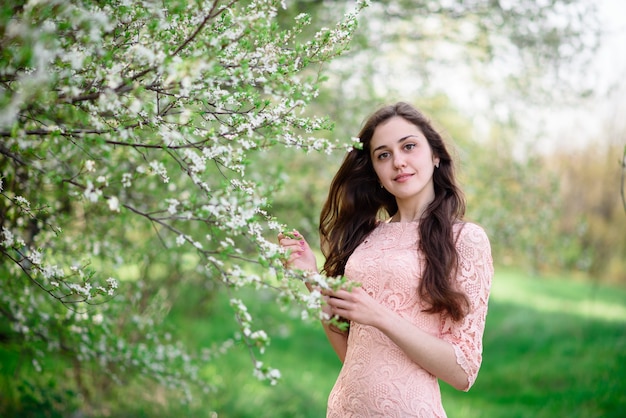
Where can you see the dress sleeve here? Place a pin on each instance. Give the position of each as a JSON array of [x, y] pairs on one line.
[[473, 277]]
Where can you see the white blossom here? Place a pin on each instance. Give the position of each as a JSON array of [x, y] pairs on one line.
[[114, 204], [21, 201], [97, 318], [35, 257], [90, 166], [8, 238], [112, 283], [159, 169], [92, 194], [127, 180], [51, 271], [173, 205]]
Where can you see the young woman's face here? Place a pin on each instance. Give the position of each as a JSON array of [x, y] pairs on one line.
[[403, 161]]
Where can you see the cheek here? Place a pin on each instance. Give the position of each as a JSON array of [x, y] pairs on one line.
[[379, 169]]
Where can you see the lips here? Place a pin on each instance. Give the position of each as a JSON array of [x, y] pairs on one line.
[[401, 178]]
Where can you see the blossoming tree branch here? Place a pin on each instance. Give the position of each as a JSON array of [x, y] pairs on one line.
[[126, 130]]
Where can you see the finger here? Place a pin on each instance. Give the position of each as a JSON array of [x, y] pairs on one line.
[[338, 303], [340, 312], [342, 294], [292, 242], [292, 248], [295, 254], [332, 293]]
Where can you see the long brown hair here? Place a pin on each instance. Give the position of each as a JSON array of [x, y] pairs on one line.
[[355, 202]]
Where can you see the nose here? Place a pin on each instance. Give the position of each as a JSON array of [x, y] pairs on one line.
[[399, 161]]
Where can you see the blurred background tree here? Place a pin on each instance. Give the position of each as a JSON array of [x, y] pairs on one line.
[[490, 74]]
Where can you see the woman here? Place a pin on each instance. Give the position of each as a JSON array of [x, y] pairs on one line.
[[425, 275]]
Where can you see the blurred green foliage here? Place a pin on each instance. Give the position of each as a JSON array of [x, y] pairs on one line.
[[557, 212], [554, 212]]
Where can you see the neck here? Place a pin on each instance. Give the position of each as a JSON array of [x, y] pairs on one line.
[[412, 209], [411, 216]]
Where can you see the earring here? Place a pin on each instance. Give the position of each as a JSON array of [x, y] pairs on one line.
[[437, 165]]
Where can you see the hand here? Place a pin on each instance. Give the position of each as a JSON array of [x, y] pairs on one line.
[[301, 257], [355, 305]]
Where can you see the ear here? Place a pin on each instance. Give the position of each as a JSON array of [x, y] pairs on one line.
[[436, 161]]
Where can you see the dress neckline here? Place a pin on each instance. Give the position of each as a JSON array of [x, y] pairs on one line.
[[390, 222]]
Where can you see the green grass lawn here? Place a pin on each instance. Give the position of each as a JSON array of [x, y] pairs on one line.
[[552, 348]]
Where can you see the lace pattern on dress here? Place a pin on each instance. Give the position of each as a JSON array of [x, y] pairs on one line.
[[474, 279], [377, 378]]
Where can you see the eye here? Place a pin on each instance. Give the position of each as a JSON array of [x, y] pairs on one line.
[[409, 146], [382, 155]]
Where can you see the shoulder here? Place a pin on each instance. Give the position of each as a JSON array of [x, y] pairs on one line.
[[475, 259], [470, 234]]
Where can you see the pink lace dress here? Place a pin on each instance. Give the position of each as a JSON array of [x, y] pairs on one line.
[[377, 379]]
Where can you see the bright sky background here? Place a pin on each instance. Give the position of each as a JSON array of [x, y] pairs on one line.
[[545, 127], [599, 119], [602, 118], [613, 54]]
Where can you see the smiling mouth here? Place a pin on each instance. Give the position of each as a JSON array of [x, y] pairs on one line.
[[402, 177]]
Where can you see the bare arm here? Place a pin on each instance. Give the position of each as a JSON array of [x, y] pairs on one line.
[[302, 257], [338, 340], [433, 354]]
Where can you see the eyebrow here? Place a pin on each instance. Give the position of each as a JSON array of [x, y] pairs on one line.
[[399, 140]]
